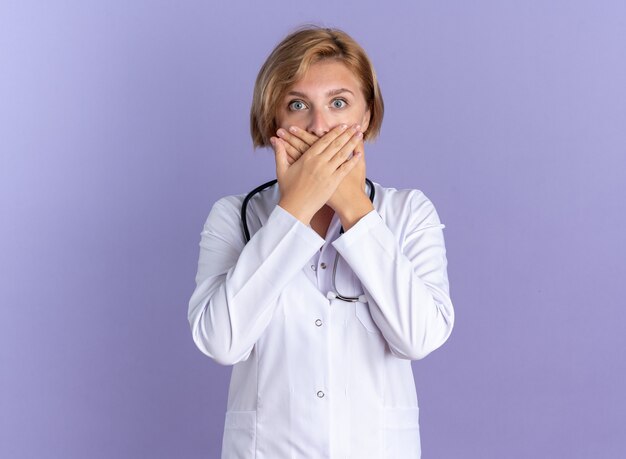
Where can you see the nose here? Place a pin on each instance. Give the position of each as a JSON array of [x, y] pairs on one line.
[[318, 124]]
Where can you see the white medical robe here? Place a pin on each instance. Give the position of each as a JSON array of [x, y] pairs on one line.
[[315, 377]]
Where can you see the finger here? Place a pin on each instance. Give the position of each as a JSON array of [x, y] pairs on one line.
[[299, 145], [347, 166], [291, 158], [307, 137], [281, 157], [324, 141], [361, 147], [339, 150], [293, 152], [351, 147], [360, 150]]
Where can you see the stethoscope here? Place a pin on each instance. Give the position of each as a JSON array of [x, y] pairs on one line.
[[330, 295]]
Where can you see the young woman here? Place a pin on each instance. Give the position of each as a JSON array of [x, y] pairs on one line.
[[322, 286]]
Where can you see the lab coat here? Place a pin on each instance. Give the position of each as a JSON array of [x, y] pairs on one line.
[[314, 377]]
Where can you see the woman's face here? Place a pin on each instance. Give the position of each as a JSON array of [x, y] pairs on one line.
[[329, 94]]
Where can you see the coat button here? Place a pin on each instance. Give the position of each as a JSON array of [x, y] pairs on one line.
[[320, 394], [323, 265], [318, 322]]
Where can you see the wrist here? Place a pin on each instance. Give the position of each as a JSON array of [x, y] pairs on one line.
[[360, 207], [296, 212]]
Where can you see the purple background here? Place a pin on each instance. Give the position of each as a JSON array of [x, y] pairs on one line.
[[122, 122]]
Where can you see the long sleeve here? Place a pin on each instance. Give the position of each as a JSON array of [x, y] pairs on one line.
[[405, 282], [237, 284]]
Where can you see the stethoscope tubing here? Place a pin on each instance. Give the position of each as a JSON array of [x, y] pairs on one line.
[[246, 233]]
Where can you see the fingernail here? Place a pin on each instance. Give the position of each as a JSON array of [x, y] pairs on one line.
[[358, 126], [344, 127], [281, 132], [293, 129], [272, 141]]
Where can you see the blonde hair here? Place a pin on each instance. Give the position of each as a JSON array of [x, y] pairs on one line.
[[288, 63]]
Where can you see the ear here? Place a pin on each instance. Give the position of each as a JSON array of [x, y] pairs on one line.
[[366, 120]]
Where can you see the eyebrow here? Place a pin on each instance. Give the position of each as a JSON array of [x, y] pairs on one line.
[[332, 92]]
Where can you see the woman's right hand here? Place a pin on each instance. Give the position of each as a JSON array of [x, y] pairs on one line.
[[306, 185]]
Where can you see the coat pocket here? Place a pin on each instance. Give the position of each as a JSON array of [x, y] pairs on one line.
[[401, 433], [362, 311], [239, 440]]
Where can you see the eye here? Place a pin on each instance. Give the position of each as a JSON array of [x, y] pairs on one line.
[[339, 103], [296, 105]]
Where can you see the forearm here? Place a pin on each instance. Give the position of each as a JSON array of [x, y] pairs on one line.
[[407, 294], [360, 207], [236, 292]]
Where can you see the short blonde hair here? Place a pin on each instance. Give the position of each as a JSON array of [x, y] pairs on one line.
[[288, 63]]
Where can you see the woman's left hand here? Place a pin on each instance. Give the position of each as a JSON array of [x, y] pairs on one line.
[[351, 187]]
